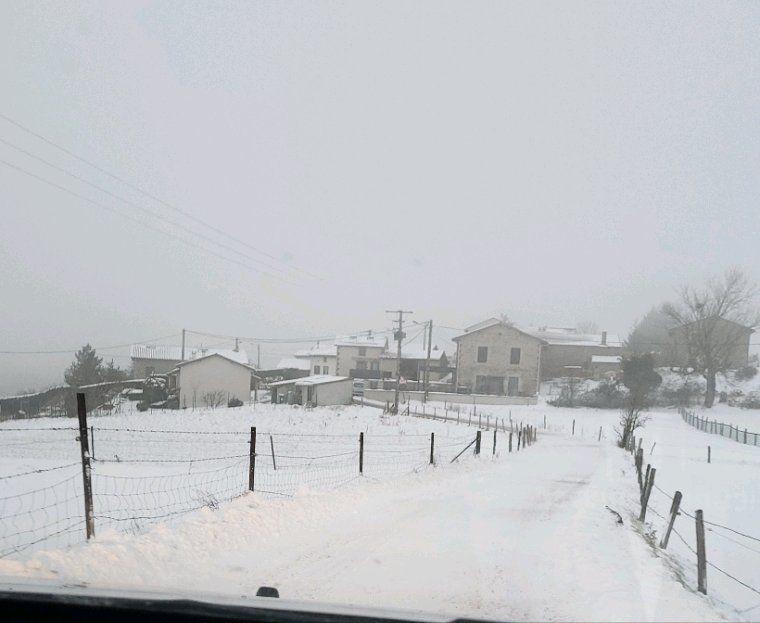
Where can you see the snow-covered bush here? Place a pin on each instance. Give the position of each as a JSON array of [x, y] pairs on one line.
[[750, 401], [235, 402]]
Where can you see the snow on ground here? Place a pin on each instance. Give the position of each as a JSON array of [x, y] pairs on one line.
[[519, 536], [725, 489]]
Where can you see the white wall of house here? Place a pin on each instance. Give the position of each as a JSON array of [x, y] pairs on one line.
[[211, 374], [335, 393], [327, 364], [351, 358]]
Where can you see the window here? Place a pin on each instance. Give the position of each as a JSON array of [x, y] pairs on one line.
[[362, 351], [325, 370], [513, 385], [374, 365], [482, 354], [514, 356], [316, 369]]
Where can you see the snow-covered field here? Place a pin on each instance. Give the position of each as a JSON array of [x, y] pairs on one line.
[[513, 536]]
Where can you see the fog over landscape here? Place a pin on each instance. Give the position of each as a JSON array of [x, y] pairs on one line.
[[558, 163]]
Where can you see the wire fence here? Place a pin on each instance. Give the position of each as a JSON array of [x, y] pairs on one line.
[[695, 545], [720, 428], [142, 476]]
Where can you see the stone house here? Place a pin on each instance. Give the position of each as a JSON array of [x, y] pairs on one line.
[[567, 352], [494, 357], [730, 342]]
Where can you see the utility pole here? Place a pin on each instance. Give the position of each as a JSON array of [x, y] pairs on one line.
[[258, 356], [398, 335], [427, 363], [183, 344]]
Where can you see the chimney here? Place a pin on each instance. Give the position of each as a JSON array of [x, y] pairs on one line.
[[604, 338]]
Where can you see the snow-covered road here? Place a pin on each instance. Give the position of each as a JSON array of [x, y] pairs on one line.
[[525, 536]]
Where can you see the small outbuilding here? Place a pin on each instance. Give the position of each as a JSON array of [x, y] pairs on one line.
[[318, 390], [211, 381]]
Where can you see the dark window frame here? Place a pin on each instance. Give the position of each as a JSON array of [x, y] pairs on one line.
[[482, 356]]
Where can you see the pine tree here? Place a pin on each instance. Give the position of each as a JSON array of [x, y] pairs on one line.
[[86, 368], [113, 373]]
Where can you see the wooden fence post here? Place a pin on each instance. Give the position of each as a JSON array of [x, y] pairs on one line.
[[519, 439], [639, 464], [252, 459], [646, 479], [708, 454], [271, 445], [89, 512], [361, 453], [510, 441], [600, 434], [432, 448], [573, 426], [494, 441], [647, 493], [673, 514], [701, 557], [544, 421], [477, 442]]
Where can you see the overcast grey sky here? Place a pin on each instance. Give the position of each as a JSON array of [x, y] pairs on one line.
[[555, 161]]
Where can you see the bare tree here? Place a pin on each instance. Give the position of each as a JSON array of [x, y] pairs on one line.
[[214, 398], [587, 327], [713, 323]]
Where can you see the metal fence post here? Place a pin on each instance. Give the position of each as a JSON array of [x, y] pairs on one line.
[[432, 448], [494, 441], [252, 459], [477, 442], [361, 453]]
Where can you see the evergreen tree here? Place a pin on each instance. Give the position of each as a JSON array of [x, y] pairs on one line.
[[86, 368], [112, 372]]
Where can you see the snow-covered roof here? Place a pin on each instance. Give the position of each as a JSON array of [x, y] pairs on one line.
[[415, 353], [490, 322], [316, 379], [571, 337], [174, 353], [320, 350], [606, 359], [321, 379], [370, 341], [293, 363], [223, 354]]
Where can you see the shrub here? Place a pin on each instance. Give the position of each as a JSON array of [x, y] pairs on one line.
[[606, 395], [746, 373], [750, 401], [142, 406], [235, 402]]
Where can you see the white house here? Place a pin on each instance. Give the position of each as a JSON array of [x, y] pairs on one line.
[[320, 359], [316, 390], [211, 380]]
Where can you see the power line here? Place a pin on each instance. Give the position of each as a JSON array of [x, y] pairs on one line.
[[139, 207], [297, 340], [74, 350], [147, 194], [139, 222]]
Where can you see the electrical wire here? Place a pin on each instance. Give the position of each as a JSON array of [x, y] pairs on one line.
[[146, 193]]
